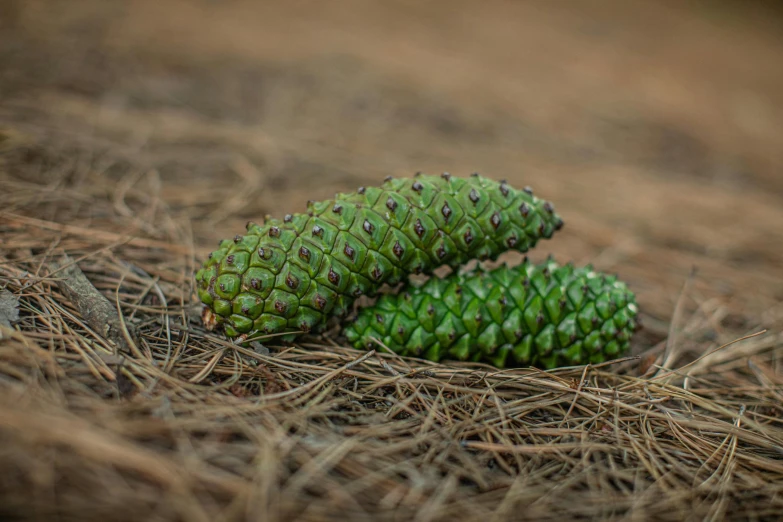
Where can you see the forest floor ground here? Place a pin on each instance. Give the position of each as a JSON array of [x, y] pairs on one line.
[[135, 135]]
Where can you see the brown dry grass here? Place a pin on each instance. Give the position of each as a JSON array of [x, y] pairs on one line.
[[136, 134]]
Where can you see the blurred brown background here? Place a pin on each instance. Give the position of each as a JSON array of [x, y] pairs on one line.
[[655, 127]]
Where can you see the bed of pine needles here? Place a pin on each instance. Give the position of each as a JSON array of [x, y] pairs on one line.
[[170, 422], [134, 135]]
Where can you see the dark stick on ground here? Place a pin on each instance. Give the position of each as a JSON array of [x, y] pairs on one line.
[[101, 315]]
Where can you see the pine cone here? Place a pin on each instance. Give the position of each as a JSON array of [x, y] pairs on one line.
[[541, 315], [290, 275]]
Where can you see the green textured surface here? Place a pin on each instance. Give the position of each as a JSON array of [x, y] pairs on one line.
[[292, 274], [542, 315]]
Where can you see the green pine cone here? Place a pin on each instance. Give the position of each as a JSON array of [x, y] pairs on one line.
[[290, 275], [541, 315]]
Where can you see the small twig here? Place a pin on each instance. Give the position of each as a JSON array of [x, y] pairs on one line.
[[386, 366], [94, 307], [393, 353]]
